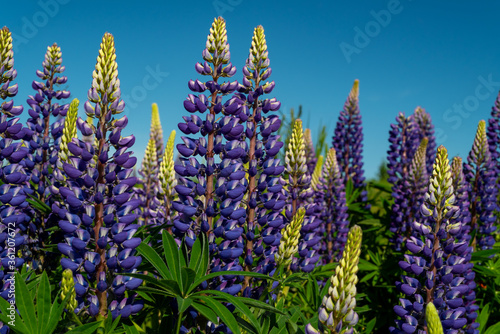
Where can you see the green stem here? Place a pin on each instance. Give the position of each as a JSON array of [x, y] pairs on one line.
[[179, 322]]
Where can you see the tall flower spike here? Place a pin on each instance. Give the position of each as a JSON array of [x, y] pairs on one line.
[[409, 196], [348, 142], [98, 210], [295, 164], [289, 244], [316, 175], [156, 131], [425, 129], [167, 172], [462, 187], [310, 153], [264, 193], [337, 311], [480, 173], [68, 289], [13, 221], [335, 217], [211, 182], [150, 183], [436, 264], [493, 134], [433, 322], [69, 131]]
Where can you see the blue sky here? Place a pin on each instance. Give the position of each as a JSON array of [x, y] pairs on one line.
[[442, 56]]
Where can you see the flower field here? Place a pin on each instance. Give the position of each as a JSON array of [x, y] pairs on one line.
[[245, 225]]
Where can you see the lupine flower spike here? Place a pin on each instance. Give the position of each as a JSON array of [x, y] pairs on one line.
[[156, 131], [13, 219], [69, 131], [289, 245], [167, 179], [480, 174], [437, 261], [348, 142], [432, 318], [335, 217], [97, 212], [310, 152], [337, 315], [265, 193], [68, 289], [212, 204], [408, 197]]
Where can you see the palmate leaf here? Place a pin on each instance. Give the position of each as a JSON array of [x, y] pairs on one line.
[[225, 297], [89, 328], [171, 253], [152, 257], [229, 272], [47, 315], [222, 312], [25, 304]]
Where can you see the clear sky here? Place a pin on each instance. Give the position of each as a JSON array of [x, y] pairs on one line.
[[441, 55]]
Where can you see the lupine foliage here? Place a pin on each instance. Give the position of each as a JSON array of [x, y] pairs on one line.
[[246, 225]]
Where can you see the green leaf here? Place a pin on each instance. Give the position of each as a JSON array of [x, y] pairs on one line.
[[366, 266], [183, 303], [89, 328], [55, 314], [25, 304], [495, 329], [223, 313], [130, 329], [483, 318], [152, 257], [368, 276], [38, 204], [229, 272], [205, 311], [205, 257], [484, 255], [239, 305], [246, 325], [43, 303], [171, 253], [259, 305], [20, 326], [370, 325], [196, 259], [188, 276]]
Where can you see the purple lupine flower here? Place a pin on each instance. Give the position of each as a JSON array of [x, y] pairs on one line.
[[13, 219], [218, 187], [97, 213], [310, 152], [265, 194], [150, 209], [462, 187], [43, 142], [348, 142], [493, 133], [408, 195], [334, 216], [423, 122], [302, 195], [480, 173], [435, 266]]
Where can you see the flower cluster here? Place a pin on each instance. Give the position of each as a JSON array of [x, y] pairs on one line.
[[436, 264], [348, 142], [337, 314], [97, 210], [480, 173], [334, 214], [461, 187], [405, 136], [13, 218]]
